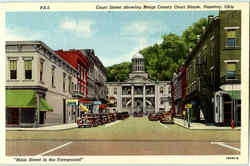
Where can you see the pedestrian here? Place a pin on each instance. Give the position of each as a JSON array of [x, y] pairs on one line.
[[184, 114]]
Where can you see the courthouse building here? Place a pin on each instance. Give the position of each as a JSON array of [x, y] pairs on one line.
[[139, 93]]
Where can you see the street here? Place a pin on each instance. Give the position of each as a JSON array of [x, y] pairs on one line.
[[133, 136]]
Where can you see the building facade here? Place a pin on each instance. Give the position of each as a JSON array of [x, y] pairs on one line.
[[96, 77], [213, 71], [139, 93], [38, 82], [79, 61]]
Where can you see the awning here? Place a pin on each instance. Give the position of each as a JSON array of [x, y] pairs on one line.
[[83, 108], [97, 102], [85, 101], [44, 105], [234, 94], [102, 106], [25, 99], [20, 99]]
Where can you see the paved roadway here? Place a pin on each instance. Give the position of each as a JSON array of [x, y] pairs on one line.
[[133, 136]]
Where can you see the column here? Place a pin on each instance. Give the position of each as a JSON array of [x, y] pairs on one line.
[[119, 98], [132, 94], [19, 116], [156, 99], [144, 98], [37, 114]]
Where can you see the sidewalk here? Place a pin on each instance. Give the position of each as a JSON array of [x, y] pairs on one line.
[[201, 126], [46, 128]]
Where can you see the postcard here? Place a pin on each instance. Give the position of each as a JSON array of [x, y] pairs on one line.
[[125, 82]]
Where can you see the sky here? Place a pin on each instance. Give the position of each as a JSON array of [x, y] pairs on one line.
[[115, 36]]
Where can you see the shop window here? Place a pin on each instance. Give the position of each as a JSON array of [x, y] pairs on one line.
[[13, 69], [28, 69]]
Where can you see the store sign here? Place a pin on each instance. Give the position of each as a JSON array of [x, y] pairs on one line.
[[188, 106], [97, 103], [71, 102]]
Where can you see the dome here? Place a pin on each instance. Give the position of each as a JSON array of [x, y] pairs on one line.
[[137, 56]]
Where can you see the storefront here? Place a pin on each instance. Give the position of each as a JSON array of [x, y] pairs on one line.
[[227, 107], [22, 106]]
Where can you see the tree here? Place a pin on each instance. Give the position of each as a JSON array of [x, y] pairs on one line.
[[190, 34], [119, 72], [162, 60]]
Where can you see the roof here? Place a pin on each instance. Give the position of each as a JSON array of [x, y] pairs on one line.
[[37, 42], [74, 57], [137, 56]]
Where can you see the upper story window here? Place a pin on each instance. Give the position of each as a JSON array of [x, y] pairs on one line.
[[28, 69], [231, 42], [231, 68], [161, 90], [13, 69], [194, 66], [64, 82], [212, 51], [70, 78], [41, 69], [53, 77], [115, 91], [230, 36], [199, 59]]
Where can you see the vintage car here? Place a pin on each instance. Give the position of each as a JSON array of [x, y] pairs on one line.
[[103, 118], [155, 116], [138, 114], [122, 115], [87, 120], [111, 117], [167, 119]]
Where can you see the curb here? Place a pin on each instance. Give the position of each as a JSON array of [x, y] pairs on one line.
[[51, 128], [205, 128]]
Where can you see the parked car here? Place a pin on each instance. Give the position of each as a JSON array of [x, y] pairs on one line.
[[167, 119], [122, 115], [155, 116], [138, 114], [87, 120]]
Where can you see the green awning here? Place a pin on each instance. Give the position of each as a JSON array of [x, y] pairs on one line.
[[234, 94], [24, 98], [44, 105]]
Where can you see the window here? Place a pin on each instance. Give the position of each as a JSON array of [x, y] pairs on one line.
[[212, 76], [64, 82], [70, 84], [161, 90], [230, 38], [28, 69], [115, 91], [231, 70], [194, 66], [199, 59], [41, 70], [53, 77], [82, 76], [212, 51], [13, 69]]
